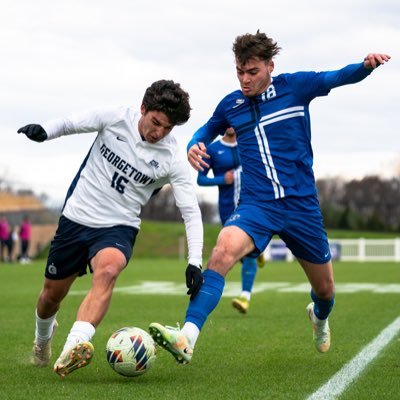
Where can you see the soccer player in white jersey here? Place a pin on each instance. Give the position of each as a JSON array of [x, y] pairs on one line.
[[134, 155], [278, 196]]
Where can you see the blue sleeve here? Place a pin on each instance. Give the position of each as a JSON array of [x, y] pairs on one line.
[[216, 125], [308, 85], [352, 73], [204, 180]]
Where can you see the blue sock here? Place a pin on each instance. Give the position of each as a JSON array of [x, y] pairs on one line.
[[207, 299], [249, 272], [322, 308]]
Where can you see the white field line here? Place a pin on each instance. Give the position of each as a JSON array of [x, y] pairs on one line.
[[233, 288], [350, 372]]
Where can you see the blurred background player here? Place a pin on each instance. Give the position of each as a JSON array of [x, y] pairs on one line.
[[133, 156], [224, 162], [25, 237], [4, 235], [279, 195], [12, 243]]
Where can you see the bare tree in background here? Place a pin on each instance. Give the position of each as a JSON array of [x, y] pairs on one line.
[[161, 207], [370, 203]]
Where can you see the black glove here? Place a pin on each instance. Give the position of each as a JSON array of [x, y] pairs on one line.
[[194, 280], [34, 132]]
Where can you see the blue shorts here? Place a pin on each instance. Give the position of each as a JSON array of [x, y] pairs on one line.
[[297, 221], [224, 215], [74, 245]]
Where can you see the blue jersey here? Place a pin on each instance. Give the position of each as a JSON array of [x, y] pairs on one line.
[[273, 132], [223, 157]]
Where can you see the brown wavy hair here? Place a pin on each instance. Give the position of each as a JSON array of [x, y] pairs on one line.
[[251, 46], [168, 97]]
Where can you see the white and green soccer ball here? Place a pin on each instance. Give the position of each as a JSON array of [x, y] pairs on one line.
[[131, 351]]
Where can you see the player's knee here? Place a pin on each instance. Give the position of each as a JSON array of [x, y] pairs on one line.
[[221, 260], [107, 274], [325, 291]]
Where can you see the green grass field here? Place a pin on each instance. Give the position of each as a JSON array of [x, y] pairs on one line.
[[267, 354]]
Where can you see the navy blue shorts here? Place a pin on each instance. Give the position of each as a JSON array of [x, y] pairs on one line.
[[297, 221], [74, 245]]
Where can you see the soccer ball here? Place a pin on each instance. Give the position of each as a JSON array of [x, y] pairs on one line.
[[131, 351]]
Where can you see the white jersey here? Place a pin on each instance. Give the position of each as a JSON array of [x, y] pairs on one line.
[[122, 171]]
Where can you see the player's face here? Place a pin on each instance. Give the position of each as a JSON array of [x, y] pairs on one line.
[[230, 132], [154, 125], [254, 76]]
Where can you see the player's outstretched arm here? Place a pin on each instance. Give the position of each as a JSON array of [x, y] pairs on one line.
[[196, 155], [374, 60], [34, 132]]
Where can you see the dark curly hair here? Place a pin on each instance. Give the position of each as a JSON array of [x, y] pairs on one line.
[[168, 97], [259, 45]]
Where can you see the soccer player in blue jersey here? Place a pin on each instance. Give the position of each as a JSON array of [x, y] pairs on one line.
[[278, 196], [225, 164]]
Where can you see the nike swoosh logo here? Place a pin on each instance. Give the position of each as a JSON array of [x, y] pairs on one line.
[[121, 139], [239, 102]]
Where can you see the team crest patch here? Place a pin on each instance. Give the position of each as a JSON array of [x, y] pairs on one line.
[[154, 163], [52, 269]]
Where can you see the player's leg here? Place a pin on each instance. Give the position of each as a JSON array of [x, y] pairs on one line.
[[249, 272], [2, 247], [78, 350], [62, 268], [107, 264], [261, 260], [322, 295], [232, 244], [23, 249], [107, 250], [48, 303], [10, 248], [306, 237]]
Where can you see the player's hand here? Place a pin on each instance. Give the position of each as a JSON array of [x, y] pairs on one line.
[[34, 132], [229, 177], [194, 280], [196, 155], [374, 60]]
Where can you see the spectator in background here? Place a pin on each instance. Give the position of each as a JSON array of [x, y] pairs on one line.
[[25, 237], [12, 242], [4, 233]]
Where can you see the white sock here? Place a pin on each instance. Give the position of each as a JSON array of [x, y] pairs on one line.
[[319, 322], [44, 328], [81, 331], [246, 295], [191, 331]]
